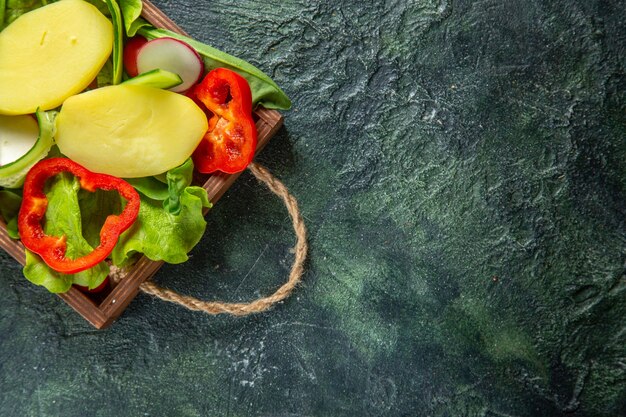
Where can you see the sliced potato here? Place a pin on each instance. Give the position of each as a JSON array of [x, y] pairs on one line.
[[51, 53], [129, 131]]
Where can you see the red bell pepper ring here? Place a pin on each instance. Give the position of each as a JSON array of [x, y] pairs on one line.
[[230, 142], [34, 204]]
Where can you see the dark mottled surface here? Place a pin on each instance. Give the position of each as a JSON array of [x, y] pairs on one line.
[[461, 167]]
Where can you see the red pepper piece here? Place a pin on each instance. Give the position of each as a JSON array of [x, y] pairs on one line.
[[34, 204], [230, 141]]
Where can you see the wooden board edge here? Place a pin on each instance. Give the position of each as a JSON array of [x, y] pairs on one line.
[[85, 307], [126, 290]]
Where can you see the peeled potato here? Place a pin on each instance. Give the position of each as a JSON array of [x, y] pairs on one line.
[[51, 53], [129, 131]]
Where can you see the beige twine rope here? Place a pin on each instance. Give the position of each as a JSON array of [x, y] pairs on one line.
[[261, 304]]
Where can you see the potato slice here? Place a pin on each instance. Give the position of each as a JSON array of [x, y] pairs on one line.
[[129, 131], [51, 53]]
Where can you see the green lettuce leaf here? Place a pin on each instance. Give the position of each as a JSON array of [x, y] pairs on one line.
[[37, 272], [178, 179], [10, 202], [12, 9], [23, 4], [105, 76], [100, 5], [131, 10], [169, 224], [118, 41], [63, 217], [94, 209], [167, 189], [150, 187], [264, 89], [163, 236], [3, 9]]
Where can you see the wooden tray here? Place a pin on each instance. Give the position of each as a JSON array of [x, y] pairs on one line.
[[102, 309]]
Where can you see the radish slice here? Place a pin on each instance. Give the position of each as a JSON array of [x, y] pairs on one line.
[[171, 55], [18, 135]]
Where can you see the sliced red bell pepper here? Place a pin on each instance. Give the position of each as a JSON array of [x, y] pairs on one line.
[[230, 141], [34, 204]]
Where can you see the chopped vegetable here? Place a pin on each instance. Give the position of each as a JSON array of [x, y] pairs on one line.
[[131, 49], [12, 174], [157, 78], [98, 289], [264, 90], [231, 139], [118, 40], [131, 10], [34, 205], [170, 221], [51, 53], [17, 135], [129, 131], [10, 202], [3, 6], [64, 217], [78, 214], [172, 55]]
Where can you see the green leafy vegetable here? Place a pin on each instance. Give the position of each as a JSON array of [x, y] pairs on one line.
[[37, 272], [264, 90], [161, 235], [178, 179], [10, 202], [168, 189], [100, 5], [63, 217], [3, 8], [118, 40], [24, 4], [94, 209], [150, 187], [131, 10], [15, 8], [156, 78], [105, 76], [167, 227]]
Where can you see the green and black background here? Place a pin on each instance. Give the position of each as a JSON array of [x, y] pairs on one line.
[[461, 169]]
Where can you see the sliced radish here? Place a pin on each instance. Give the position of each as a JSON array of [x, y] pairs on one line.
[[131, 49], [171, 55]]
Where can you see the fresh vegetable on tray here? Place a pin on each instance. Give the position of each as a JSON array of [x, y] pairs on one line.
[[52, 249], [230, 141], [103, 120]]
